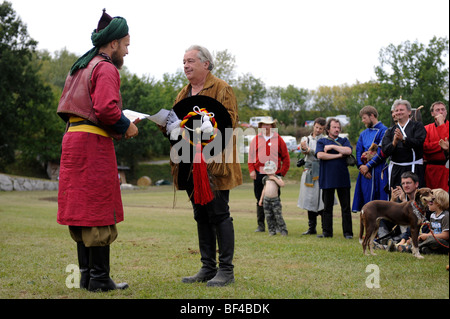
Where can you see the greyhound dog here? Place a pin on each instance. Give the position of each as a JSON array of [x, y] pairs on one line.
[[411, 213]]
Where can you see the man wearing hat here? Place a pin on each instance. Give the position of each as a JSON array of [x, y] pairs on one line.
[[213, 97], [89, 199], [266, 146]]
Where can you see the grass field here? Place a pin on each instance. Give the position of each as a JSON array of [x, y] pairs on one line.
[[157, 246]]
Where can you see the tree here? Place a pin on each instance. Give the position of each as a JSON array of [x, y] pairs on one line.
[[24, 99], [224, 65], [250, 91], [54, 68], [286, 103], [415, 72], [148, 96]]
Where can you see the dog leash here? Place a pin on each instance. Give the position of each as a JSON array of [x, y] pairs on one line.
[[426, 222], [388, 234], [416, 210]]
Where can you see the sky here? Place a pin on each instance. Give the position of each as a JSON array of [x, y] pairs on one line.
[[282, 42]]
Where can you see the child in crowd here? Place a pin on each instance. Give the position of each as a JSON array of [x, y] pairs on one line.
[[270, 200], [436, 241]]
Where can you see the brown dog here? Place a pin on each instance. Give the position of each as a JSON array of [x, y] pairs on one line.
[[411, 213]]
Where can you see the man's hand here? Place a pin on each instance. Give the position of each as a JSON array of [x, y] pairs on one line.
[[440, 119], [132, 131], [253, 175], [398, 136], [444, 144], [363, 169], [397, 193]]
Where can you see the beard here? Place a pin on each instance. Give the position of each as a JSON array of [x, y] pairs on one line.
[[117, 60]]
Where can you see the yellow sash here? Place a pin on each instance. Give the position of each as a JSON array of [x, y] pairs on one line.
[[85, 128]]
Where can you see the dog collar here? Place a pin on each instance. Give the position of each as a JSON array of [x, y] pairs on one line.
[[418, 212]]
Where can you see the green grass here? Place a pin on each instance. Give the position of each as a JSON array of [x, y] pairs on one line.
[[157, 246]]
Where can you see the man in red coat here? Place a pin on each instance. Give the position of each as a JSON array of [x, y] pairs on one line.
[[266, 146], [436, 174], [89, 199]]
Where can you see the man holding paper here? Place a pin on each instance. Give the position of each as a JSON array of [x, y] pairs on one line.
[[89, 198]]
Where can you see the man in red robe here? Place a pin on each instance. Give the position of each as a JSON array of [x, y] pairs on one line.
[[436, 174], [89, 199]]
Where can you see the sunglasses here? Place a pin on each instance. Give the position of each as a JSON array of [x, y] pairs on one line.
[[432, 200]]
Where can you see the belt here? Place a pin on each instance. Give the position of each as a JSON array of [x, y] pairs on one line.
[[83, 122], [77, 124], [436, 162]]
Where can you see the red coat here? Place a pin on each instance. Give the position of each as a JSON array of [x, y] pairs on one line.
[[89, 189], [274, 149], [436, 175], [93, 93]]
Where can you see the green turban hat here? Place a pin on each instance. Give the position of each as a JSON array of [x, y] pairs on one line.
[[116, 29]]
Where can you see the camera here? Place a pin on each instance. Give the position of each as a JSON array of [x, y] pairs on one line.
[[301, 162]]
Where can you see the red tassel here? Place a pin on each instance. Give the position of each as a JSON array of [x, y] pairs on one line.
[[202, 190]]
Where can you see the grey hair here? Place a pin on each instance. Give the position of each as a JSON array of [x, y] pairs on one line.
[[203, 55], [400, 101]]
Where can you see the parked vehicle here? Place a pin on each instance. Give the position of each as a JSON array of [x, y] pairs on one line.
[[309, 123], [291, 142]]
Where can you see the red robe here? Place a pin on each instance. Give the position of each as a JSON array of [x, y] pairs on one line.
[[436, 174], [89, 188]]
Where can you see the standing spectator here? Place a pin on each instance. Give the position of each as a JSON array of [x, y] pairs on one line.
[[266, 146], [370, 161], [334, 176], [436, 174], [403, 142], [214, 222], [310, 195], [89, 198]]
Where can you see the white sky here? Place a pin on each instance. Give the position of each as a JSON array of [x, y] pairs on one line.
[[303, 43]]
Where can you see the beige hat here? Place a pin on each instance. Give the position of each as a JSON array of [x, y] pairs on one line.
[[267, 121]]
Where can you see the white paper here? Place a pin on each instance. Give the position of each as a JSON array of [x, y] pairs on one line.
[[159, 118]]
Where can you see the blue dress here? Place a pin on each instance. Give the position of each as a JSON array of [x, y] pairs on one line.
[[367, 190]]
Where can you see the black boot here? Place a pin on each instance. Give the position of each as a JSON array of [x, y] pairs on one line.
[[312, 223], [225, 238], [83, 262], [99, 264], [260, 217], [207, 245]]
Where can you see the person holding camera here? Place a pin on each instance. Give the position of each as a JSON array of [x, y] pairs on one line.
[[310, 196]]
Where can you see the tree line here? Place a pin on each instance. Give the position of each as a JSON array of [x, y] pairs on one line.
[[31, 82]]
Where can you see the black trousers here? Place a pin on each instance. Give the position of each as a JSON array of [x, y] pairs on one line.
[[327, 217], [215, 211]]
